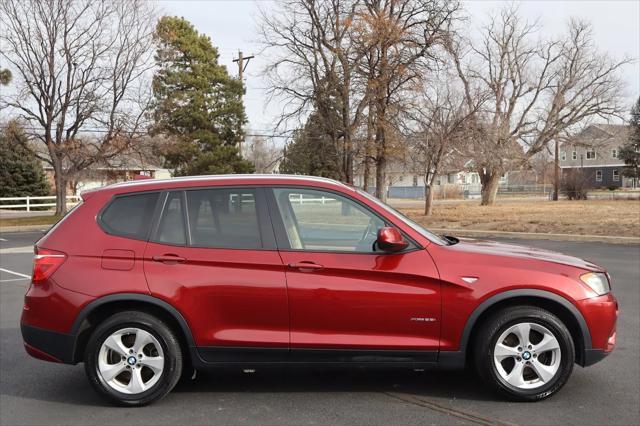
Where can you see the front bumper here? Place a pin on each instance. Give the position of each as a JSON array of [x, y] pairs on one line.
[[48, 345], [601, 315]]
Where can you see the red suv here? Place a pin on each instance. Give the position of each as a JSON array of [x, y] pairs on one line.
[[145, 281]]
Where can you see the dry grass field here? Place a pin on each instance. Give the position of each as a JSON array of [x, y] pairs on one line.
[[26, 221], [593, 217]]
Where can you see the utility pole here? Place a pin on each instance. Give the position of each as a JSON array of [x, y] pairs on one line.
[[242, 65], [556, 171]]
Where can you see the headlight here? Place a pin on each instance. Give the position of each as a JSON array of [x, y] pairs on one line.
[[598, 282]]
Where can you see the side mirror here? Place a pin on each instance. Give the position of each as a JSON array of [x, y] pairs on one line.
[[390, 240]]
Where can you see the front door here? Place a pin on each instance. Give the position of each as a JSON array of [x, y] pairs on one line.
[[346, 295], [213, 257]]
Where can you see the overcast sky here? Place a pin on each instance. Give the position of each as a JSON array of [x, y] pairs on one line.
[[232, 27]]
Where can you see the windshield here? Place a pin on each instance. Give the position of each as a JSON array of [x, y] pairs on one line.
[[425, 233]]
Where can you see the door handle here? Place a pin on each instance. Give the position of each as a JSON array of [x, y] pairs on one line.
[[169, 259], [306, 266]]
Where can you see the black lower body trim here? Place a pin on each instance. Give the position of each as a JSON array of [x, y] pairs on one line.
[[360, 356], [450, 360], [592, 356], [59, 346], [220, 354]]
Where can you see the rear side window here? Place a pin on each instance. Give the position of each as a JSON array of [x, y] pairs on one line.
[[223, 218], [171, 228], [129, 216]]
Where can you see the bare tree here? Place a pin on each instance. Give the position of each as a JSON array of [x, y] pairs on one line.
[[80, 70], [264, 154], [313, 67], [398, 38], [543, 166], [440, 119], [351, 59], [538, 90]]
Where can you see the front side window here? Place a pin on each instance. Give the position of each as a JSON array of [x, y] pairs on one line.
[[414, 225], [129, 216], [317, 220], [223, 218]]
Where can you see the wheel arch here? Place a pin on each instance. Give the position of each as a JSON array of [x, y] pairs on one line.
[[96, 311], [556, 304]]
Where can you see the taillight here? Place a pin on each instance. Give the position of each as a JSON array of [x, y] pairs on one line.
[[45, 263]]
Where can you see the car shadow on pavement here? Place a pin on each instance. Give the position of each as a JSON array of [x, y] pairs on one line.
[[25, 377], [294, 379]]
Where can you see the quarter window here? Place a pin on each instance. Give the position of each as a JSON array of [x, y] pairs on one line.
[[223, 218], [129, 215], [323, 221]]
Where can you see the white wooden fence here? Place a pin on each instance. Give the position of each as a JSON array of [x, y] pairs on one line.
[[308, 199], [28, 203]]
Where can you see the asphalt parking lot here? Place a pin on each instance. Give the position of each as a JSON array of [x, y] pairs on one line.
[[36, 392]]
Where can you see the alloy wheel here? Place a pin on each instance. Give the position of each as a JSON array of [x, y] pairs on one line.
[[527, 355], [131, 360]]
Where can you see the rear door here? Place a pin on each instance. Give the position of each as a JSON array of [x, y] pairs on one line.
[[346, 298], [212, 255]]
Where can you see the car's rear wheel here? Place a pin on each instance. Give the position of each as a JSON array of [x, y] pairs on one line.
[[133, 358], [525, 353]]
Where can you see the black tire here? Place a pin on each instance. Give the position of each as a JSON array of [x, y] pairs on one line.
[[498, 323], [165, 336]]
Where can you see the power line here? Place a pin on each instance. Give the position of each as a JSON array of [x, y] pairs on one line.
[[139, 133]]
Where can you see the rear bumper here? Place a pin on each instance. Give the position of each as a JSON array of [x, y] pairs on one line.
[[48, 345]]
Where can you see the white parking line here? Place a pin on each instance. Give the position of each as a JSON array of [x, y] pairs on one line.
[[13, 250], [14, 279], [15, 273]]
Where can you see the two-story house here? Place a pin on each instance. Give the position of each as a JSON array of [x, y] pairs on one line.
[[596, 152]]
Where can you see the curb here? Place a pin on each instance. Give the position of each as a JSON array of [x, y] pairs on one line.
[[538, 236]]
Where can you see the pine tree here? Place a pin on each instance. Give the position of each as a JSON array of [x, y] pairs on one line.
[[20, 173], [630, 151], [312, 152], [198, 106]]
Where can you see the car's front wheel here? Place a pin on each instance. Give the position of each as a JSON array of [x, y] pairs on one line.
[[133, 358], [525, 353]]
